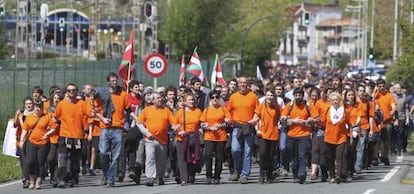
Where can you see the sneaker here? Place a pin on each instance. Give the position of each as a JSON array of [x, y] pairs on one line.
[[161, 181], [261, 180], [83, 170], [135, 178], [208, 181], [285, 172], [243, 180], [191, 179], [150, 182], [121, 178], [61, 184], [338, 180], [110, 184], [216, 181], [234, 177], [103, 181], [92, 172], [302, 179], [183, 183], [26, 184]]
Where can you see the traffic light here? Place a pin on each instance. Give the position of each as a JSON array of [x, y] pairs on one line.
[[84, 30], [148, 9], [46, 23], [61, 22], [371, 55], [306, 18], [2, 11]]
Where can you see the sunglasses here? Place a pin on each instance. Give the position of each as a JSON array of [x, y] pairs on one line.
[[72, 90], [214, 97]]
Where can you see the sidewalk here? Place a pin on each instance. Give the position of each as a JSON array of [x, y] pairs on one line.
[[409, 159]]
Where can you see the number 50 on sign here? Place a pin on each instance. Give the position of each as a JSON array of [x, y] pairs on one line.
[[155, 65]]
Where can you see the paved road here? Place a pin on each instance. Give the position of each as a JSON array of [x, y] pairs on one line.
[[378, 180]]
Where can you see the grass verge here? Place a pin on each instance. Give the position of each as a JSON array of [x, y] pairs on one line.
[[9, 168]]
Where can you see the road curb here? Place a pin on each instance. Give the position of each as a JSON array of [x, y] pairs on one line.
[[409, 160]]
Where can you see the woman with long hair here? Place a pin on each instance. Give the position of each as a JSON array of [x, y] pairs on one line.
[[19, 119], [267, 115], [187, 125], [52, 155]]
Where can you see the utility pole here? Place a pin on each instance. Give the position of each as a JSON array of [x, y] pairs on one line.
[[371, 45], [69, 28], [394, 53]]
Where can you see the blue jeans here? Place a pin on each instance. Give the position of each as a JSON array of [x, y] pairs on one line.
[[110, 142], [242, 164], [284, 155], [360, 150], [298, 146]]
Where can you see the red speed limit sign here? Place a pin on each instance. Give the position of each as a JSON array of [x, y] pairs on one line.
[[155, 65]]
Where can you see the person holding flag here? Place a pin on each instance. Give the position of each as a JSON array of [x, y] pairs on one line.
[[127, 67]]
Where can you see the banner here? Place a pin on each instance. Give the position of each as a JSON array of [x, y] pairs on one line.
[[9, 143]]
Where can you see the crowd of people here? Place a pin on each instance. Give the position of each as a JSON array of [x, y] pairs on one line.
[[333, 126]]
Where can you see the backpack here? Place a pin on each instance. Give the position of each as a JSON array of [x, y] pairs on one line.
[[379, 116]]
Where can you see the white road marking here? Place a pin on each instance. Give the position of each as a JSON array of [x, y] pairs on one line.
[[369, 191], [10, 183], [389, 175]]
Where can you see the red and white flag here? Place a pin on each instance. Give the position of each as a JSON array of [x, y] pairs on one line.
[[217, 74], [127, 67], [194, 67], [182, 72]]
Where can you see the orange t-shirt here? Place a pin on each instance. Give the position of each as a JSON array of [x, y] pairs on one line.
[[269, 118], [192, 121], [384, 102], [46, 106], [322, 107], [55, 135], [94, 120], [120, 102], [336, 133], [242, 106], [363, 108], [42, 127], [298, 111], [213, 116], [72, 117], [354, 113], [157, 120]]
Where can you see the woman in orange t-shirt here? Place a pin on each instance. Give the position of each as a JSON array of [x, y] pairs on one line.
[[187, 125], [355, 115], [19, 119], [214, 120], [267, 114], [336, 134], [52, 156], [37, 129]]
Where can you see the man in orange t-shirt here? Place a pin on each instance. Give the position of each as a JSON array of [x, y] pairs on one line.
[[115, 103], [387, 105], [242, 105], [153, 123], [299, 132], [71, 112]]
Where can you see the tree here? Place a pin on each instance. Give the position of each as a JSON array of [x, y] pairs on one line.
[[4, 49], [186, 24]]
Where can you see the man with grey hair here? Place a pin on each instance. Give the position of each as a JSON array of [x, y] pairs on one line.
[[153, 122], [401, 126]]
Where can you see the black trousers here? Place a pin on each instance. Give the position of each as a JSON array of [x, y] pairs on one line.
[[36, 156], [68, 159], [214, 148], [267, 151], [335, 156]]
